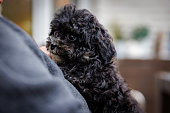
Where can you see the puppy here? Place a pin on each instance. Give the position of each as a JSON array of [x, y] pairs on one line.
[[84, 51]]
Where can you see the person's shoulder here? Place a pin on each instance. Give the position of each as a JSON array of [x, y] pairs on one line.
[[5, 21]]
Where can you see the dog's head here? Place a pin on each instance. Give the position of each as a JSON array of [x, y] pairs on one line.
[[76, 35]]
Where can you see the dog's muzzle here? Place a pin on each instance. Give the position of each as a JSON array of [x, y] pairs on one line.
[[56, 58]]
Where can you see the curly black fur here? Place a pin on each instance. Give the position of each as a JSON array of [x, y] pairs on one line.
[[84, 51]]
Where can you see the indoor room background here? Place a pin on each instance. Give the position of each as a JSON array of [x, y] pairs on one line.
[[140, 31]]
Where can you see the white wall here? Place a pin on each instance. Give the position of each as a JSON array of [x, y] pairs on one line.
[[129, 13], [42, 13]]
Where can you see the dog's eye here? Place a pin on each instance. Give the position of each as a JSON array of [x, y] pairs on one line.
[[55, 33], [53, 46], [72, 38]]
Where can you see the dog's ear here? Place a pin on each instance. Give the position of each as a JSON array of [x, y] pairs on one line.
[[105, 45]]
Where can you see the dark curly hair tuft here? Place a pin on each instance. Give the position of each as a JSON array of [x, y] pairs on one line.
[[84, 51]]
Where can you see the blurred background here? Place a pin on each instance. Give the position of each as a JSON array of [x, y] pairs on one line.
[[141, 34]]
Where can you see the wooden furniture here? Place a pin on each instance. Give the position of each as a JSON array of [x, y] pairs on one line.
[[141, 74], [163, 93]]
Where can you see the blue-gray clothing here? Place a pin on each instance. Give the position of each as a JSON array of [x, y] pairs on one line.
[[30, 82]]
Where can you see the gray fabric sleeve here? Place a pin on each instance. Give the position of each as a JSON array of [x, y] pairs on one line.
[[29, 81]]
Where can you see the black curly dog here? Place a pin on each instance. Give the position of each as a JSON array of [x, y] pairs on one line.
[[84, 51]]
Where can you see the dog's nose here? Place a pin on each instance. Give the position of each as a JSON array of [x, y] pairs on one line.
[[53, 46]]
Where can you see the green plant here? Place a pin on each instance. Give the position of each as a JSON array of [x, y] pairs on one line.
[[139, 33], [117, 31]]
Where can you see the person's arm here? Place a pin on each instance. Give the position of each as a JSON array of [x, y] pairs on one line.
[[27, 81]]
